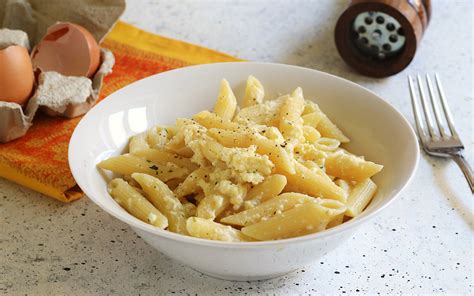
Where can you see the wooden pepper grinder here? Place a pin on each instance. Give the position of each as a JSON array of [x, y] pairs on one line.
[[379, 38]]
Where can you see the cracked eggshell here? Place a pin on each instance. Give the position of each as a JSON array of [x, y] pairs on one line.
[[68, 49]]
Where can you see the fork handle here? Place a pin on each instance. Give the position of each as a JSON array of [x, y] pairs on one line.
[[465, 168]]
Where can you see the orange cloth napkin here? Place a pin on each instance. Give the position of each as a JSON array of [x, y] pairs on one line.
[[39, 159]]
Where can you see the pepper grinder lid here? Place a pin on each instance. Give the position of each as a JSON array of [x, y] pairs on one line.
[[379, 38]]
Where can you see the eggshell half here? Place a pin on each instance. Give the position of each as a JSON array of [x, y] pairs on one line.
[[68, 49], [16, 74]]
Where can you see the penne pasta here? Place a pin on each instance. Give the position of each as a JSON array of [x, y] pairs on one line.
[[310, 152], [189, 209], [203, 228], [337, 220], [270, 187], [267, 209], [164, 157], [138, 142], [127, 164], [311, 135], [163, 199], [312, 119], [327, 144], [290, 116], [360, 197], [136, 204], [190, 184], [277, 154], [158, 136], [174, 183], [222, 171], [308, 182], [212, 120], [350, 167], [212, 206], [254, 92], [226, 103], [343, 184], [230, 138], [329, 130], [306, 218]]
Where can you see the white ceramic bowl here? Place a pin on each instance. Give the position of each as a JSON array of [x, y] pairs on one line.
[[377, 130]]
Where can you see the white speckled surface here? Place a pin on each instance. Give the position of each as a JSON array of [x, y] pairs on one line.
[[423, 243]]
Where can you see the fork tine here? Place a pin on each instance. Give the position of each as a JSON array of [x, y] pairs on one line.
[[416, 110], [444, 103], [425, 107], [434, 103]]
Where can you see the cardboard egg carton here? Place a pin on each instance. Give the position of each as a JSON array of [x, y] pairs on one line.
[[54, 94]]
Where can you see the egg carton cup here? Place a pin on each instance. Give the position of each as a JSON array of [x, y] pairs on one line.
[[55, 95]]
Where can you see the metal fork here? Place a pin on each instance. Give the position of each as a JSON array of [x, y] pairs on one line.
[[436, 140]]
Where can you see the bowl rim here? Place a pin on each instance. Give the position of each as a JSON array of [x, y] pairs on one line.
[[134, 222]]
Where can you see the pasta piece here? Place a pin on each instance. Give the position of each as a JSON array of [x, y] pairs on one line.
[[277, 154], [337, 220], [343, 184], [308, 182], [290, 116], [126, 164], [267, 209], [176, 143], [234, 192], [212, 120], [190, 184], [207, 229], [174, 183], [254, 92], [350, 167], [310, 134], [185, 152], [137, 205], [212, 206], [138, 142], [310, 107], [189, 209], [198, 197], [312, 119], [163, 157], [270, 187], [329, 130], [360, 197], [304, 219], [327, 144], [316, 169], [310, 152], [267, 113], [241, 160], [163, 198], [231, 138], [133, 183], [226, 103], [246, 163], [158, 136]]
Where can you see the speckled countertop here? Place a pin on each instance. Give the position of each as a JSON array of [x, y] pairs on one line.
[[423, 243]]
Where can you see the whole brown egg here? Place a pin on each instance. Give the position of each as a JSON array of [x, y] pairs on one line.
[[16, 74]]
